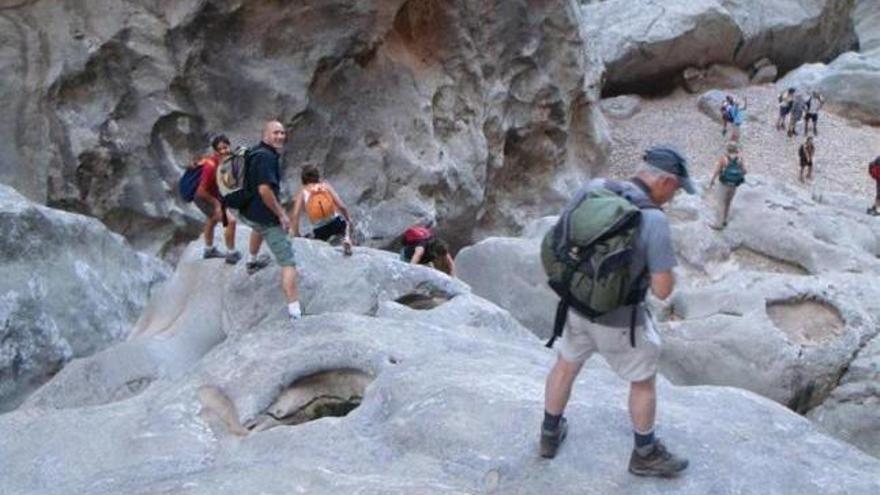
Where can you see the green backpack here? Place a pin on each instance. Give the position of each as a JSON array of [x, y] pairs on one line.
[[732, 174], [587, 255]]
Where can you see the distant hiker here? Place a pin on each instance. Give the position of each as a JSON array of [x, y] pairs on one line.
[[731, 172], [814, 104], [608, 315], [207, 199], [326, 212], [420, 247], [732, 112], [786, 100], [806, 152], [264, 213], [874, 172], [798, 106]]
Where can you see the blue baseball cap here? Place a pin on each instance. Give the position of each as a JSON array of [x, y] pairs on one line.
[[669, 160]]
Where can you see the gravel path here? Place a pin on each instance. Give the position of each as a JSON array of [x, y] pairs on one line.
[[843, 148]]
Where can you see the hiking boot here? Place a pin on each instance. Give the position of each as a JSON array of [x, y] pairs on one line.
[[232, 257], [552, 439], [256, 265], [212, 252], [659, 462], [873, 211]]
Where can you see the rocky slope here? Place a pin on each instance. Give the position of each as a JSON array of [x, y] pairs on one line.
[[397, 400]]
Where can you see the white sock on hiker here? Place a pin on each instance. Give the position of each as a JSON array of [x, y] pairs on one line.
[[251, 258], [294, 311]]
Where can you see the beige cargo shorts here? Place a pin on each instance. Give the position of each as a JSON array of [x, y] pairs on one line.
[[581, 338]]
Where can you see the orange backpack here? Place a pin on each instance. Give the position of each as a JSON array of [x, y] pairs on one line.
[[319, 203]]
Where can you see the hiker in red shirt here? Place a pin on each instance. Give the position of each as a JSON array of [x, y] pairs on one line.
[[208, 201], [874, 171]]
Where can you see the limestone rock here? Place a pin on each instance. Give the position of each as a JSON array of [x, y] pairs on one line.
[[621, 107], [765, 74], [645, 44], [69, 288], [710, 104], [412, 108], [205, 301], [852, 412], [421, 415], [716, 76], [508, 272], [848, 84], [866, 17]]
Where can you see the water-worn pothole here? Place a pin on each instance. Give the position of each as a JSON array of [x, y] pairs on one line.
[[753, 260], [423, 301], [328, 393], [806, 321]]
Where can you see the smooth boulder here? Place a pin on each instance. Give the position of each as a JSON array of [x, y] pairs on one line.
[[70, 288]]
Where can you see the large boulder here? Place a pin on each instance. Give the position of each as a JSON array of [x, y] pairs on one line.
[[207, 300], [412, 108], [350, 403], [69, 288], [848, 83], [645, 44], [852, 412]]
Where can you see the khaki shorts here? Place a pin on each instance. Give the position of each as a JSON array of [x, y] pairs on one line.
[[277, 240], [581, 338]]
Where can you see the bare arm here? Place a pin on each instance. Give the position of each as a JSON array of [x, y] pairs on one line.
[[297, 212], [417, 255], [662, 284], [274, 206], [451, 263], [717, 172], [340, 205]]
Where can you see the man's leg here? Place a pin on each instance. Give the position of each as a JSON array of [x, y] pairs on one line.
[[254, 243], [289, 283], [229, 233], [643, 405], [557, 389]]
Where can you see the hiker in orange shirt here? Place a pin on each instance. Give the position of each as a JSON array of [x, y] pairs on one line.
[[327, 213]]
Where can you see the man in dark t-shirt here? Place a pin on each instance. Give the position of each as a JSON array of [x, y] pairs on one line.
[[265, 215]]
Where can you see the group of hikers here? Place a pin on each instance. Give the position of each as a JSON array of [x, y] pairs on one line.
[[611, 246], [256, 197], [793, 108]]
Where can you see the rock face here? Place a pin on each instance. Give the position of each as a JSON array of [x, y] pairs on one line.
[[645, 44], [69, 289], [781, 307], [470, 112], [408, 403], [849, 82]]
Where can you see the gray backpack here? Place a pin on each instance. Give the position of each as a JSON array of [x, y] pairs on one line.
[[587, 255]]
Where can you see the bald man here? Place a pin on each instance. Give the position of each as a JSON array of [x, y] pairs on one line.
[[266, 216]]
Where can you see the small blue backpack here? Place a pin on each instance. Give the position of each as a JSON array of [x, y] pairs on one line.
[[189, 182]]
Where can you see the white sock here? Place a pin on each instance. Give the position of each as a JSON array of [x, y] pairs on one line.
[[294, 311], [252, 258]]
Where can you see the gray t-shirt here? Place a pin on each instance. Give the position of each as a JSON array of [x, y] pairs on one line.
[[653, 249]]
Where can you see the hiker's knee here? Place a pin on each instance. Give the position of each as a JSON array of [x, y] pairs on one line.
[[565, 369], [646, 386]]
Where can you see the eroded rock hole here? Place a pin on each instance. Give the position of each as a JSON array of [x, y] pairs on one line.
[[753, 260], [806, 321], [423, 300], [328, 393]]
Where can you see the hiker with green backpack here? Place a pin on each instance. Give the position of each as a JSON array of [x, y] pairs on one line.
[[731, 172], [610, 246]]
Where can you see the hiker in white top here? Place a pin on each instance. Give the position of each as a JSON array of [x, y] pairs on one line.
[[814, 104], [327, 213]]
